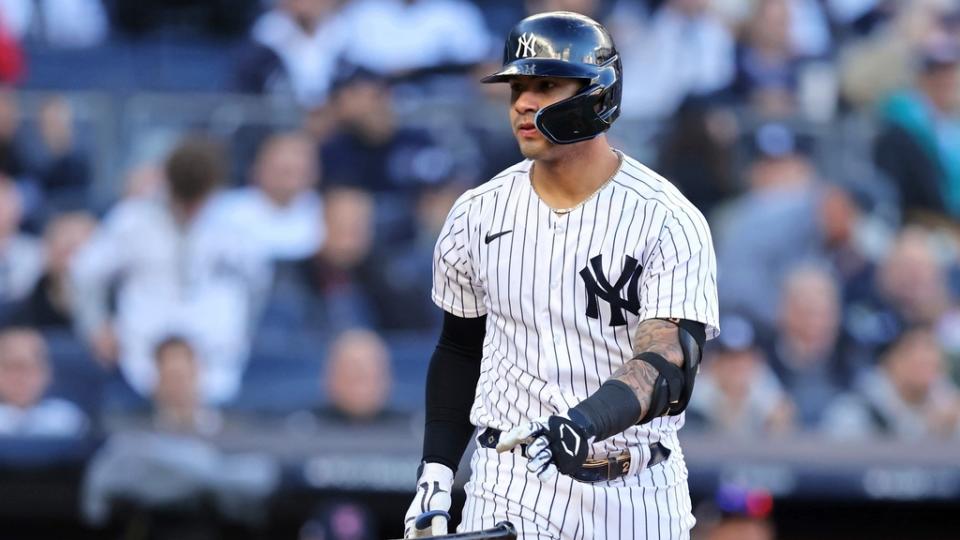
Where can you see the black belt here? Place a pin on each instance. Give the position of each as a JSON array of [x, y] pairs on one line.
[[593, 470]]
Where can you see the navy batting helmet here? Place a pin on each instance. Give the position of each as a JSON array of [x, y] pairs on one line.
[[568, 45]]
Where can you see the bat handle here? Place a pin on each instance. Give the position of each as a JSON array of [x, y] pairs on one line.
[[438, 525]]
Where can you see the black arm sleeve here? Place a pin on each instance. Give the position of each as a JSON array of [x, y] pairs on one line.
[[451, 385]]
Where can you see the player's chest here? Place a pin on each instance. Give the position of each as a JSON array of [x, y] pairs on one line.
[[583, 265]]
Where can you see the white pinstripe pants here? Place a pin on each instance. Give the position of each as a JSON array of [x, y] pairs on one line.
[[650, 504]]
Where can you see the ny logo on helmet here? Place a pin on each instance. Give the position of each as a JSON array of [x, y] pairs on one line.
[[598, 286], [526, 45]]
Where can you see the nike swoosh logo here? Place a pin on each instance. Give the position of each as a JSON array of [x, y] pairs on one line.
[[491, 237]]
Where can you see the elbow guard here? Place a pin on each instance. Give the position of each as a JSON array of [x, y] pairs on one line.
[[674, 385]]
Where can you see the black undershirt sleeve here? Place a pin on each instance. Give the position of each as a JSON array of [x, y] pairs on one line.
[[451, 385]]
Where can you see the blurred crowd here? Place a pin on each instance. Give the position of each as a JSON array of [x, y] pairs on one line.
[[286, 270]]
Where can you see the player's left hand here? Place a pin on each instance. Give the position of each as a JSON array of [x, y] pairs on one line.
[[554, 443]]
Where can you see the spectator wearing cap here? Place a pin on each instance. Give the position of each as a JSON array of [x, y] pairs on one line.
[[919, 144], [371, 150], [908, 396], [737, 394], [25, 376], [177, 270], [755, 249]]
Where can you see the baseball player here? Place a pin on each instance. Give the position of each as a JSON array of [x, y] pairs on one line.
[[578, 287]]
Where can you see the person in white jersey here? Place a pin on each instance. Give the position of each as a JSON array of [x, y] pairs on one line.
[[579, 287]]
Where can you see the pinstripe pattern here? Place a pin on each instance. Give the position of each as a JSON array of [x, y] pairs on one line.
[[542, 354]]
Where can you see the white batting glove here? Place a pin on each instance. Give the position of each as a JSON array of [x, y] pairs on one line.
[[554, 443], [430, 510]]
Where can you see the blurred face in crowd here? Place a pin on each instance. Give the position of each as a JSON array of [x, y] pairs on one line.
[[11, 210], [838, 216], [177, 376], [780, 172], [810, 312], [734, 370], [940, 86], [527, 96], [913, 279], [286, 167], [691, 8], [63, 237], [769, 28], [308, 13], [358, 374], [914, 364], [349, 224], [56, 125], [366, 107], [9, 114], [24, 372], [741, 529]]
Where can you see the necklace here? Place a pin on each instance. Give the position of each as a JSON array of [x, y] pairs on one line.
[[564, 211]]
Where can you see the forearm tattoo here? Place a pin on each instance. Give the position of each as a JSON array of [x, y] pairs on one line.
[[653, 335]]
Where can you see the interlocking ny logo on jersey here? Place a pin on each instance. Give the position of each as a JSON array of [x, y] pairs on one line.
[[598, 286], [526, 45]]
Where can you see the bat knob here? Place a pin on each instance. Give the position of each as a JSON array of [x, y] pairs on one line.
[[507, 526]]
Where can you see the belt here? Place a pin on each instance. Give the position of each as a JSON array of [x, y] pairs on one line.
[[593, 470]]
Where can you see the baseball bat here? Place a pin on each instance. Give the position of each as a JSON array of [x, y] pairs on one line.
[[503, 531]]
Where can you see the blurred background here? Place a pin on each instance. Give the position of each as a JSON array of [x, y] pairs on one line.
[[217, 220]]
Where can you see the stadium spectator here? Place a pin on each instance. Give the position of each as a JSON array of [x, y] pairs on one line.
[[278, 212], [169, 464], [919, 145], [737, 394], [767, 65], [806, 351], [60, 169], [25, 375], [908, 396], [177, 402], [294, 51], [56, 23], [328, 290], [176, 270], [754, 250], [357, 380], [21, 257], [910, 287], [885, 61], [48, 306], [681, 49], [371, 150], [398, 37], [13, 162], [696, 153]]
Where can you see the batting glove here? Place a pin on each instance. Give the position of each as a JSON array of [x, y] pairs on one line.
[[430, 510], [554, 443]]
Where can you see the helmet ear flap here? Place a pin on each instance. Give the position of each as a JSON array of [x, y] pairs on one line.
[[585, 115]]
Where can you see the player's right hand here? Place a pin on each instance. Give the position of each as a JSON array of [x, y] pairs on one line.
[[430, 510]]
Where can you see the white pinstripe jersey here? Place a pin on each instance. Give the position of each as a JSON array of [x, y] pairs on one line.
[[564, 293]]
